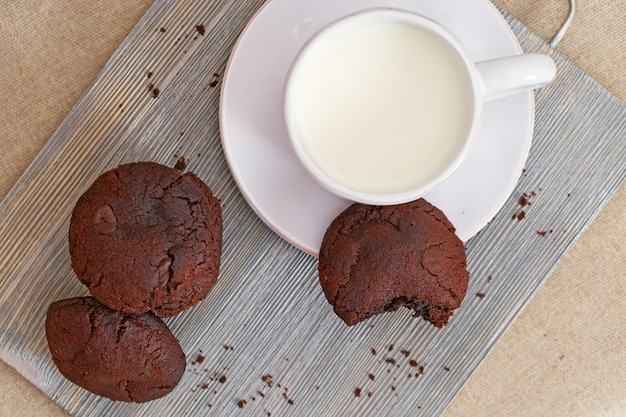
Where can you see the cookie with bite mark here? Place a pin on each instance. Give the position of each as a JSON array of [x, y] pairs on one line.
[[377, 259]]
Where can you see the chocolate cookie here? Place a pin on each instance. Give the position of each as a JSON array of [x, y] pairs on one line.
[[375, 259], [125, 357], [144, 237]]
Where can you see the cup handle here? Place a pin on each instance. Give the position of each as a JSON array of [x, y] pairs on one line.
[[502, 77]]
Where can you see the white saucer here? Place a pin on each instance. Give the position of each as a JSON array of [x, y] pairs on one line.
[[268, 173]]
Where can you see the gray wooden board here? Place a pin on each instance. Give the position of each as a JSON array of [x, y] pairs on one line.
[[267, 308]]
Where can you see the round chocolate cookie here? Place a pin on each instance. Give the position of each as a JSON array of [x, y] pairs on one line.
[[144, 237], [125, 357], [375, 259]]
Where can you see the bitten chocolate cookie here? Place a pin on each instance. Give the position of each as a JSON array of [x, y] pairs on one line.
[[375, 259], [125, 357], [144, 237]]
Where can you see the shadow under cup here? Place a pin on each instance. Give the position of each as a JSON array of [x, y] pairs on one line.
[[381, 106]]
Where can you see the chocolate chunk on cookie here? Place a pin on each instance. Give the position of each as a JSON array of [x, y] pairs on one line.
[[125, 357], [145, 237], [376, 259]]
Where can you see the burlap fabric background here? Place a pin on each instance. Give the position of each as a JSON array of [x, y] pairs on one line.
[[564, 356]]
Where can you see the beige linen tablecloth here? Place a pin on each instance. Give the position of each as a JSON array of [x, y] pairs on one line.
[[564, 356]]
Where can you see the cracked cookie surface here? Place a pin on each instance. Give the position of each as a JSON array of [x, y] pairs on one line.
[[145, 237], [375, 259], [124, 357]]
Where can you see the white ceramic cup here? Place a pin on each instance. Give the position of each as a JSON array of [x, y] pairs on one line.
[[383, 105]]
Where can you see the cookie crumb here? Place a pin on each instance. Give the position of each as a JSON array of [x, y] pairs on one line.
[[241, 403], [480, 295], [181, 165], [371, 376], [222, 379], [200, 29], [357, 392], [523, 201], [268, 379]]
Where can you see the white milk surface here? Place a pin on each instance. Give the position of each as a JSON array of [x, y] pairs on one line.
[[380, 105]]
